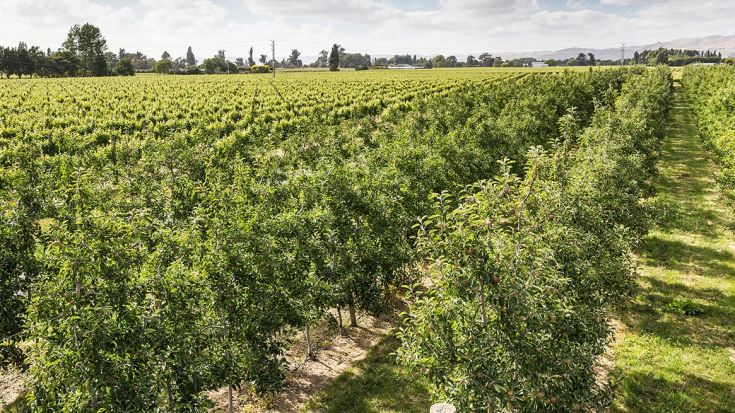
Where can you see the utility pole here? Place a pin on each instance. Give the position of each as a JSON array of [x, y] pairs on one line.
[[622, 55], [273, 49]]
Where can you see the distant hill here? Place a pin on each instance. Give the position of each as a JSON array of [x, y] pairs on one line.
[[723, 44]]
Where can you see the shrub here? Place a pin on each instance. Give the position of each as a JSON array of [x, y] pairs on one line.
[[124, 67], [684, 307], [164, 67], [260, 69]]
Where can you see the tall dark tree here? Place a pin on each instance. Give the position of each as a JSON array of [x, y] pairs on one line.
[[486, 59], [23, 62], [251, 61], [87, 43], [293, 59], [334, 58], [190, 59], [263, 59], [582, 59], [165, 55], [65, 63], [593, 61]]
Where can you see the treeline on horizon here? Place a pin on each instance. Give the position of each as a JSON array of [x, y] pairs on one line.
[[678, 57], [85, 53]]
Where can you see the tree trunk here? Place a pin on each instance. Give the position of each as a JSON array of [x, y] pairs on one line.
[[339, 319], [353, 315], [229, 399], [309, 349], [169, 394]]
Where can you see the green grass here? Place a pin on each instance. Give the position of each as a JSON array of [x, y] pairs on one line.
[[375, 384], [676, 346]]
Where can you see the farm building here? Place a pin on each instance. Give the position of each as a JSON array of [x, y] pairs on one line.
[[404, 66]]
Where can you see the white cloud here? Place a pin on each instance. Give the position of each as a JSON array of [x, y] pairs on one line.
[[331, 10], [373, 26]]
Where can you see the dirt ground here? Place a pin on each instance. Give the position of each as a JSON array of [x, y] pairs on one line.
[[335, 352], [12, 387]]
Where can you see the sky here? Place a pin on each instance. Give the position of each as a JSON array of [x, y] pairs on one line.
[[378, 27]]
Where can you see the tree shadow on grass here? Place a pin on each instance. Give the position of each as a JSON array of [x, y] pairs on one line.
[[669, 214], [374, 385], [650, 314], [686, 393], [679, 256]]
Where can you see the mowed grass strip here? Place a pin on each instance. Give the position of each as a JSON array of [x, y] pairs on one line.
[[675, 348]]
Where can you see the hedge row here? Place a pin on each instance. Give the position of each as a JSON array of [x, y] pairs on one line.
[[528, 267], [711, 91]]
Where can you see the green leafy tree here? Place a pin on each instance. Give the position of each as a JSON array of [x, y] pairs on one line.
[[214, 65], [164, 66], [124, 67], [22, 201], [439, 61], [66, 63], [87, 43], [486, 59]]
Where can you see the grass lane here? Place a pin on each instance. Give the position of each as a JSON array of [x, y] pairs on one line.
[[676, 344]]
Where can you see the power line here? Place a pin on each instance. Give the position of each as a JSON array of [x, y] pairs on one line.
[[273, 49], [622, 55]]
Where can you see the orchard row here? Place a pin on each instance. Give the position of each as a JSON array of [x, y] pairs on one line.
[[711, 91], [162, 235]]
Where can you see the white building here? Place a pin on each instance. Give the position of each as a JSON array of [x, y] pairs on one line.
[[539, 64], [404, 66]]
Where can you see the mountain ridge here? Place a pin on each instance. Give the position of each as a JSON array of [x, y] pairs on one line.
[[721, 43]]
